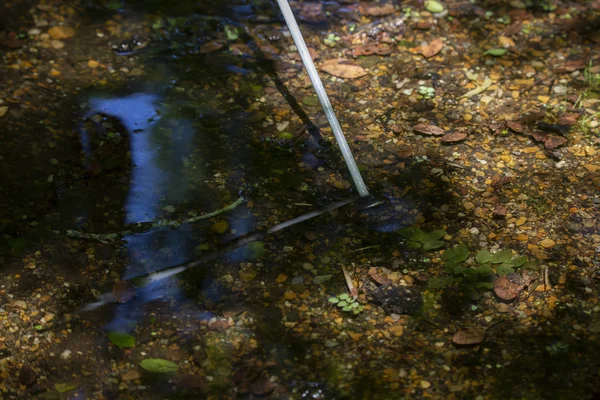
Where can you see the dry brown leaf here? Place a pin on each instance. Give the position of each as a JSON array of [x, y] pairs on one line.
[[508, 287], [376, 11], [453, 137], [427, 129], [514, 126], [377, 277], [341, 69], [431, 49], [382, 49], [554, 141], [570, 66], [211, 46], [468, 337]]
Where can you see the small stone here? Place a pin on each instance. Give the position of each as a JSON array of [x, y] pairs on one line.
[[131, 375], [93, 64], [317, 280], [425, 384], [61, 32], [57, 44], [290, 295], [468, 205], [220, 227], [397, 330], [19, 304], [500, 212], [27, 376], [281, 278], [547, 243]]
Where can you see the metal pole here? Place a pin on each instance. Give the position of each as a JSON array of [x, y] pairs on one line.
[[323, 98]]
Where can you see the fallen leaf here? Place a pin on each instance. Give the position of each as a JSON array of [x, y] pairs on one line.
[[382, 49], [479, 89], [211, 46], [431, 49], [554, 141], [570, 66], [468, 337], [547, 243], [341, 69], [376, 11], [514, 126], [158, 365], [453, 137], [427, 129], [377, 277], [509, 286]]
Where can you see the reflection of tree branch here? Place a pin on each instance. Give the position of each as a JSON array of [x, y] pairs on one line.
[[111, 237]]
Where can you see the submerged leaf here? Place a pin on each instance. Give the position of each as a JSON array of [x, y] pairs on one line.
[[483, 256], [433, 244], [122, 339], [495, 52], [66, 387], [158, 365], [501, 256], [505, 269], [457, 254]]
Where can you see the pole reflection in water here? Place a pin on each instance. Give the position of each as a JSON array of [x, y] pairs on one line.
[[154, 184]]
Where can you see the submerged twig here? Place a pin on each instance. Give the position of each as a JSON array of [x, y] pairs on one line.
[[111, 237]]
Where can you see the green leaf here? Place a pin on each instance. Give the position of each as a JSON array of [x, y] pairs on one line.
[[485, 285], [347, 308], [66, 387], [312, 101], [158, 365], [255, 250], [483, 256], [354, 305], [231, 32], [413, 245], [440, 283], [458, 254], [501, 256], [458, 269], [342, 303], [435, 235], [495, 52], [531, 265], [471, 274], [433, 6], [333, 300], [343, 296], [433, 244], [504, 269], [519, 261], [484, 269], [472, 293], [410, 233], [122, 339]]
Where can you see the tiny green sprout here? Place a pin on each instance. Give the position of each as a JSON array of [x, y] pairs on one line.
[[346, 303], [331, 40], [427, 92], [38, 327]]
